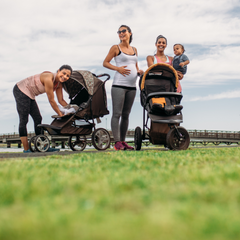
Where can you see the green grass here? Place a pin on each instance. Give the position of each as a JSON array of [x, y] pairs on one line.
[[193, 194]]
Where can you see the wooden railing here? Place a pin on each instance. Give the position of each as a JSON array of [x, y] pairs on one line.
[[196, 136]]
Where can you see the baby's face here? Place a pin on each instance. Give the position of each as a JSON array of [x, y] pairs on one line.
[[178, 50]]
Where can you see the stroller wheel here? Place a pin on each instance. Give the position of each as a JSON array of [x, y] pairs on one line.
[[77, 143], [31, 144], [178, 140], [41, 143], [138, 138], [101, 139]]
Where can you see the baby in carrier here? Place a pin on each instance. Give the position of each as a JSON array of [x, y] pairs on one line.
[[180, 60]]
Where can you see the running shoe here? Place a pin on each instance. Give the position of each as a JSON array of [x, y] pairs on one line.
[[127, 146], [27, 151], [53, 150], [119, 146]]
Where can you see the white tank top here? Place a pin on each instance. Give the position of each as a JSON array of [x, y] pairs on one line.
[[130, 61]]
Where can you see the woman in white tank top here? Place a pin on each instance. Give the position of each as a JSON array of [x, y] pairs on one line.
[[124, 84]]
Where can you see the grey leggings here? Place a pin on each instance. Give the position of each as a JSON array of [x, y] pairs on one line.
[[26, 106], [122, 101]]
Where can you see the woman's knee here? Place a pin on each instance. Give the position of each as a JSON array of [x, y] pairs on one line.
[[116, 114], [37, 119]]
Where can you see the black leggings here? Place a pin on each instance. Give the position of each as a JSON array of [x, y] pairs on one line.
[[26, 106]]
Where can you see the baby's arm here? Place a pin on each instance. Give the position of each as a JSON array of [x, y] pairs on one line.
[[182, 64], [185, 61]]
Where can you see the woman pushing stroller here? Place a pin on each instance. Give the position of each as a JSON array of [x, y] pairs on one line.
[[124, 84], [25, 92]]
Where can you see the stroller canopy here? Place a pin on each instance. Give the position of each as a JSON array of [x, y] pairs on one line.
[[82, 85], [161, 71]]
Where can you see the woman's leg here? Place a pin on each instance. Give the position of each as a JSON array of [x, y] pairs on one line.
[[118, 98], [23, 103], [129, 99], [36, 116]]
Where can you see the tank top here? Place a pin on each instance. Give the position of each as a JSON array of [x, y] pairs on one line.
[[169, 62], [157, 60], [130, 61], [32, 86]]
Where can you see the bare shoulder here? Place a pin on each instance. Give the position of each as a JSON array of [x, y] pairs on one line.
[[135, 49], [150, 57], [46, 77], [114, 50]]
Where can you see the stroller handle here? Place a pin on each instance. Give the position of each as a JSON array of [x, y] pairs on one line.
[[163, 94], [104, 75]]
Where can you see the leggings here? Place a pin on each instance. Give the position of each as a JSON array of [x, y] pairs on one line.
[[26, 106], [122, 101]]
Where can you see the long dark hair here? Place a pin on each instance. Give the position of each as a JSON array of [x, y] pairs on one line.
[[129, 30], [65, 67]]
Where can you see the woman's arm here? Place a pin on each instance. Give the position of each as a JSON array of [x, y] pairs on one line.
[[59, 93], [47, 80], [150, 60], [139, 71], [180, 75], [113, 52]]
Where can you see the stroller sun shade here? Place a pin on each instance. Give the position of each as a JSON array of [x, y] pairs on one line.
[[83, 85], [160, 71], [160, 78]]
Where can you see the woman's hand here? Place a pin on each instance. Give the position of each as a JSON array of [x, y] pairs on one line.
[[122, 70], [140, 72], [180, 75]]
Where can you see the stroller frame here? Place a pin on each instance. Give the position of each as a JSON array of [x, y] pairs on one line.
[[171, 135]]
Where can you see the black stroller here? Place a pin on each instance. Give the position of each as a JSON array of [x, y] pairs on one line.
[[159, 98], [88, 96]]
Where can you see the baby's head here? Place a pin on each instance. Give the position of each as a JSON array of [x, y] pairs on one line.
[[178, 49]]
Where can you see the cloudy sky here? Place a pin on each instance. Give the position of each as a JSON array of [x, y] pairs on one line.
[[43, 35]]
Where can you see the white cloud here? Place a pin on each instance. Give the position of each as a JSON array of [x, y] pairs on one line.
[[42, 35], [223, 95]]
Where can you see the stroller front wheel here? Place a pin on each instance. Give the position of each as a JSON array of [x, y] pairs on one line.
[[178, 138], [77, 143], [41, 143], [101, 139]]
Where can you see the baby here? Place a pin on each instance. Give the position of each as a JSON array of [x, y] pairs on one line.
[[180, 60]]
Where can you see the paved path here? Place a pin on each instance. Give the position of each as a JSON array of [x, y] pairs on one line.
[[4, 156]]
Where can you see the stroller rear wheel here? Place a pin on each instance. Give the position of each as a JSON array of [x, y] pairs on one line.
[[138, 138], [41, 143], [101, 139], [178, 139], [77, 143], [31, 144]]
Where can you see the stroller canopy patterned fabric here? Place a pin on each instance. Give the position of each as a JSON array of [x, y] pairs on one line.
[[83, 85]]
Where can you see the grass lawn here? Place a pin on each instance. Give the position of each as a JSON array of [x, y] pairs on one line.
[[146, 195]]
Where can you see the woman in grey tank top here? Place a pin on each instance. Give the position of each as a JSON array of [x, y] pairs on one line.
[[124, 84]]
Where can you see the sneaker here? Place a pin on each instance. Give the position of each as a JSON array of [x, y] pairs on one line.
[[127, 146], [119, 146], [27, 151], [53, 150]]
